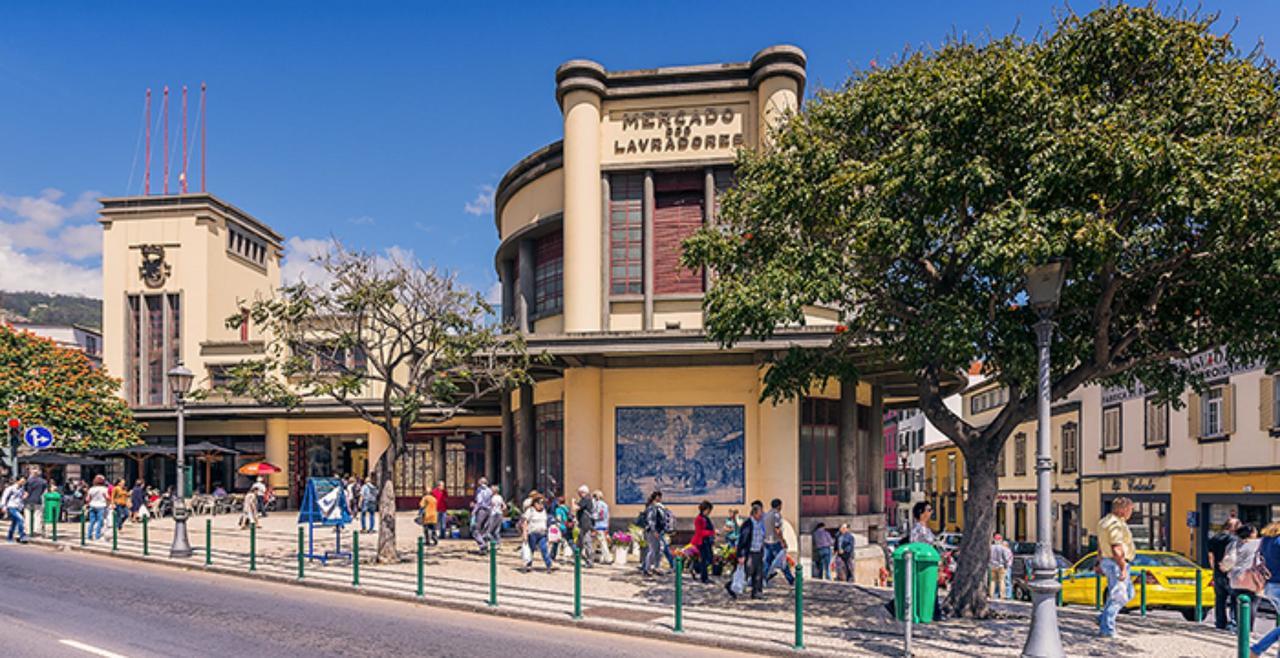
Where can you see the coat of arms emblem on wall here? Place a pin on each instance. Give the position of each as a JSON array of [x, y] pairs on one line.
[[154, 270]]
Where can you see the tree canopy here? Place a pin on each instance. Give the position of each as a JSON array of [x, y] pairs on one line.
[[1137, 144], [43, 384]]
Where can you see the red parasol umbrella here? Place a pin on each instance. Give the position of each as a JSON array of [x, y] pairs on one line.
[[259, 468]]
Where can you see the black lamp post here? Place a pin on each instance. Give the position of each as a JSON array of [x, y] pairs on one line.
[[1044, 286], [180, 379]]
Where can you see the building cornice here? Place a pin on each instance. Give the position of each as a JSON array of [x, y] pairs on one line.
[[133, 207], [530, 168]]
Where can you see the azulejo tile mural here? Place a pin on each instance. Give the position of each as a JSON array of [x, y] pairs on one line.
[[690, 453]]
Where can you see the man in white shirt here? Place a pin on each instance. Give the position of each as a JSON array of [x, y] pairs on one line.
[[1001, 559], [12, 500]]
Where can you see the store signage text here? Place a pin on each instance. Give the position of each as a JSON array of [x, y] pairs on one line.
[[1016, 498], [1209, 365], [1135, 484], [674, 130]]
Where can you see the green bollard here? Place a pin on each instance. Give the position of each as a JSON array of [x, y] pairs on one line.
[[208, 542], [1143, 583], [82, 513], [31, 520], [300, 531], [1059, 587], [577, 583], [1097, 589], [253, 547], [113, 534], [56, 514], [679, 627], [1199, 596], [419, 567], [1242, 624], [355, 558], [146, 539], [800, 607], [493, 574]]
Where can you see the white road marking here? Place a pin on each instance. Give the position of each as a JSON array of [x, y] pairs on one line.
[[90, 649]]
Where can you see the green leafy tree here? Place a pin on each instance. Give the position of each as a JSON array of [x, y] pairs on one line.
[[1137, 144], [393, 341], [43, 384]]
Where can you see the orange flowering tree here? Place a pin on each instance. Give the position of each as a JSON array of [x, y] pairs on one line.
[[43, 384]]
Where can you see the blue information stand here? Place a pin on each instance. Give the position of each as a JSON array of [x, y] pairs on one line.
[[325, 503]]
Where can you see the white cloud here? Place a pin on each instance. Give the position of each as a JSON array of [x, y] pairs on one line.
[[494, 294], [483, 203], [300, 255], [21, 272], [81, 241], [32, 222]]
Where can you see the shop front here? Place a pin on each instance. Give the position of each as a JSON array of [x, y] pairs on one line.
[[1205, 501]]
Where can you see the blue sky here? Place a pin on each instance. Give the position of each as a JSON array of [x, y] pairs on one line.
[[385, 125]]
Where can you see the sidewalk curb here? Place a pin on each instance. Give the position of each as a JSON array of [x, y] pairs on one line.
[[694, 639]]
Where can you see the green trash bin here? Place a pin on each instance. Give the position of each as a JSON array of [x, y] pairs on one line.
[[924, 593]]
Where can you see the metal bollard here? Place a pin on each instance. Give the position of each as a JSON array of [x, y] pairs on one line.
[[1143, 603], [146, 539], [908, 587], [1243, 614], [1059, 587], [355, 558], [113, 534], [253, 547], [420, 541], [577, 583], [31, 520], [1199, 596], [1097, 588], [56, 514], [493, 574], [82, 513], [300, 562], [679, 627], [208, 542], [799, 643]]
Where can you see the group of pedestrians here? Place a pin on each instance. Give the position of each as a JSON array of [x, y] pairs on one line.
[[1245, 564], [546, 524], [761, 549]]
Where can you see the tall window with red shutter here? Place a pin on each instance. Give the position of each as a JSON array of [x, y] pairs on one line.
[[677, 214]]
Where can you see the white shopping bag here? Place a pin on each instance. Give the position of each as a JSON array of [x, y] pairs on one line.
[[739, 583], [526, 554]]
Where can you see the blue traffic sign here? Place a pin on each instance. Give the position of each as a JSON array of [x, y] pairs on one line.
[[38, 437]]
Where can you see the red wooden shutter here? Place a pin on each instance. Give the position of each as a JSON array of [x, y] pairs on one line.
[[676, 216]]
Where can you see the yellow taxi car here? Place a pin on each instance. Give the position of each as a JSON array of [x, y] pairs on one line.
[[1171, 583]]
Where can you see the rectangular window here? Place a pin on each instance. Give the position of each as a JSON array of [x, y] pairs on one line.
[[548, 274], [153, 345], [549, 437], [1020, 521], [1213, 412], [155, 349], [1156, 432], [931, 481], [245, 245], [133, 351], [1112, 440], [677, 214], [626, 234], [1020, 454], [1275, 402], [1001, 519], [819, 459], [1002, 465], [175, 332], [219, 375], [415, 470], [1070, 448], [244, 325], [952, 483], [988, 400]]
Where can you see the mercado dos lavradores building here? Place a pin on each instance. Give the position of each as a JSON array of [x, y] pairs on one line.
[[635, 398]]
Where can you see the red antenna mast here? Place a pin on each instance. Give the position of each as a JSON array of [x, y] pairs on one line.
[[165, 111], [204, 125], [182, 178], [146, 178]]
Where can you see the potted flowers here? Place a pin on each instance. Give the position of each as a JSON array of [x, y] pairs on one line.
[[621, 542], [725, 555]]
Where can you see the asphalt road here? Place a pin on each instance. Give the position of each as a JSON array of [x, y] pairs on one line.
[[73, 604]]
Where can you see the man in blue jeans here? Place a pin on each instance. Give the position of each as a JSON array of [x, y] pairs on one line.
[[12, 503], [774, 543], [1116, 552]]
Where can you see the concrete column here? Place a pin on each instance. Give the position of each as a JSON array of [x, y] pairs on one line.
[[778, 76], [876, 453], [508, 276], [507, 477], [708, 212], [524, 442], [379, 442], [647, 250], [604, 253], [437, 458], [584, 438], [583, 221], [491, 458], [848, 447], [524, 298], [278, 455]]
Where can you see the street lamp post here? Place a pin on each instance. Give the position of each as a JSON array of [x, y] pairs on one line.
[[180, 383], [1044, 285]]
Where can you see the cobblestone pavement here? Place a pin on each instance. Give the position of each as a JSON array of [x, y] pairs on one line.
[[839, 618]]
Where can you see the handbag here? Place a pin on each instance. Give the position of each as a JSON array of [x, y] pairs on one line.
[[739, 583], [1254, 578]]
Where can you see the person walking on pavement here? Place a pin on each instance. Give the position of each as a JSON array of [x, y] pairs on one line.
[[497, 514], [534, 534], [368, 506], [775, 547], [12, 501], [1270, 552], [427, 516], [655, 530], [98, 499], [1244, 557], [36, 486], [137, 499], [845, 553], [585, 519], [480, 507], [823, 548], [1001, 559], [704, 538], [120, 501], [732, 525], [1115, 546], [750, 550], [442, 509], [922, 512], [602, 527], [1224, 615]]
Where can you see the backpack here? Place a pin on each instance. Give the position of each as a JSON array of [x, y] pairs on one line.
[[657, 520]]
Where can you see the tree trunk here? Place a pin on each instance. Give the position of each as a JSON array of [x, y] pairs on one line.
[[387, 553], [968, 589]]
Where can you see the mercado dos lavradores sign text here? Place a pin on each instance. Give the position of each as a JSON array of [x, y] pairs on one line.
[[674, 132]]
